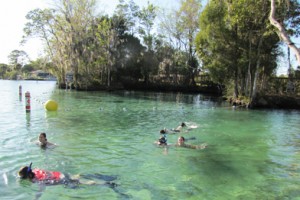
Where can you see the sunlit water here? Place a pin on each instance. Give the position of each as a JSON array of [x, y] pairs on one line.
[[251, 154]]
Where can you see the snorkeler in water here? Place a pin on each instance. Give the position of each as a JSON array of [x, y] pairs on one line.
[[162, 141], [45, 178], [55, 177]]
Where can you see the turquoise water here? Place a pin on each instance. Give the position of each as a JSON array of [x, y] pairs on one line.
[[251, 154]]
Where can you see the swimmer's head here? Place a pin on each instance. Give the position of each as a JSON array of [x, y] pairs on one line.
[[163, 131], [181, 140], [43, 138], [26, 172], [183, 124], [162, 140]]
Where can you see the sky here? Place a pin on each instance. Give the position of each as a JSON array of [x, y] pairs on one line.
[[12, 22]]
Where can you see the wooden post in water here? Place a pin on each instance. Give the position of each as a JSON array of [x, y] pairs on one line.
[[20, 92], [27, 100]]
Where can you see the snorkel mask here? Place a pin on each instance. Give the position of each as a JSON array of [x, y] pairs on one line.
[[25, 172], [163, 140], [29, 169]]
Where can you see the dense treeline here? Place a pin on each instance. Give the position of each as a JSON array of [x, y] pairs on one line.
[[231, 40], [123, 48], [238, 45]]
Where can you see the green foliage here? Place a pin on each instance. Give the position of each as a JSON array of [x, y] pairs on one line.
[[17, 59], [3, 70], [129, 62], [228, 43], [27, 68], [224, 40], [12, 75], [129, 12]]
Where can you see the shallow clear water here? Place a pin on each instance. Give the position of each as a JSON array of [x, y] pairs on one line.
[[251, 154]]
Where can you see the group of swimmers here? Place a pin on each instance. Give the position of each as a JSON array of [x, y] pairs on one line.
[[55, 177], [162, 141]]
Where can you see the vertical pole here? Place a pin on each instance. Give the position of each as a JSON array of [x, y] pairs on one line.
[[27, 100], [20, 92]]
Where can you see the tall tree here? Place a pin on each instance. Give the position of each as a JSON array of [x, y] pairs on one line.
[[42, 24], [234, 44], [129, 12], [3, 70], [188, 26], [291, 17], [107, 38], [147, 16], [17, 59]]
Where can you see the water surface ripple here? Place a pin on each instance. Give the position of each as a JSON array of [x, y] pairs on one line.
[[251, 154]]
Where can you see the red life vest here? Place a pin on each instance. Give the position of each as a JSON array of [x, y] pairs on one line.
[[41, 175]]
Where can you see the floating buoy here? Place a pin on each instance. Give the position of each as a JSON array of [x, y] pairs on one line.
[[51, 105]]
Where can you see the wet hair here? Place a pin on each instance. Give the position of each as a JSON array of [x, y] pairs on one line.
[[183, 124], [43, 134], [26, 172], [162, 131], [182, 138], [162, 140]]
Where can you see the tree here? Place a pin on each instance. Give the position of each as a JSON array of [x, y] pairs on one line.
[[180, 28], [146, 18], [291, 7], [3, 70], [107, 39], [236, 45], [66, 30], [129, 62], [17, 59], [188, 25], [128, 11], [42, 24]]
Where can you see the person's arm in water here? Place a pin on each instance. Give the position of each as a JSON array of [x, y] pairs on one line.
[[190, 146]]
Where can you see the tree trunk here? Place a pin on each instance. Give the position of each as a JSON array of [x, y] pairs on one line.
[[255, 81], [249, 77], [236, 71], [282, 32]]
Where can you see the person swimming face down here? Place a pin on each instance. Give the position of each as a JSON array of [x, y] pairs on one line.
[[26, 172]]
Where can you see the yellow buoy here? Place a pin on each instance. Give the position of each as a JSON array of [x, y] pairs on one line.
[[51, 105]]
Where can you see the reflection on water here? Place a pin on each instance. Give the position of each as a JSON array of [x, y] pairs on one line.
[[250, 154]]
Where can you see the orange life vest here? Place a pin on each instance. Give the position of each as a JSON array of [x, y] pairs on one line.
[[41, 175]]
